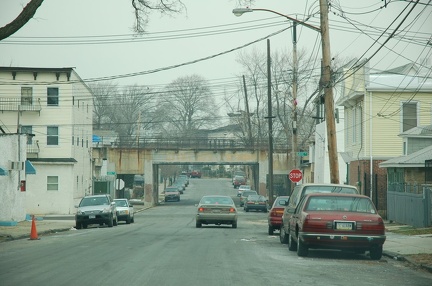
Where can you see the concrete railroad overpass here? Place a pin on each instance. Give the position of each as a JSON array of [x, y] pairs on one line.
[[146, 157]]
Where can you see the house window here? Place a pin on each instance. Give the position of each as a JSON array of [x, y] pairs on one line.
[[25, 129], [52, 183], [52, 135], [52, 96], [26, 95], [409, 115], [354, 124]]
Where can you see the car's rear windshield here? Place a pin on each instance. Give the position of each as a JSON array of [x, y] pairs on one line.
[[95, 201], [348, 204], [248, 193], [121, 203], [330, 189], [217, 201]]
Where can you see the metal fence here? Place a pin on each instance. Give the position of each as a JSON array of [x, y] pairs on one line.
[[410, 204]]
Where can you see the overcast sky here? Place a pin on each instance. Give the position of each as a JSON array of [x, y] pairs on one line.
[[209, 29]]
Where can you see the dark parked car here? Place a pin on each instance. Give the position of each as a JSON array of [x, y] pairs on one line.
[[172, 194], [275, 215], [216, 210], [246, 194], [125, 211], [302, 190], [337, 221], [97, 209], [256, 202]]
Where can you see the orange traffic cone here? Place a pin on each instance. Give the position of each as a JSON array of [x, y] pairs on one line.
[[33, 233]]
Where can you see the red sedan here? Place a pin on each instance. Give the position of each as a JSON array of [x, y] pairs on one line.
[[336, 221], [275, 215]]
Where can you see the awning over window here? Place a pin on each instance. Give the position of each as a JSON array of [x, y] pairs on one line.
[[29, 168], [3, 171]]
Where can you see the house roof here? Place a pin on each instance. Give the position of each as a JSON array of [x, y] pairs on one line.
[[416, 159], [418, 131], [405, 69]]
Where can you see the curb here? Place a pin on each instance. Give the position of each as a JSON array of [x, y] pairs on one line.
[[398, 257]]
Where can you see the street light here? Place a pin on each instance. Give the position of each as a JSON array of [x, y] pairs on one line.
[[325, 80]]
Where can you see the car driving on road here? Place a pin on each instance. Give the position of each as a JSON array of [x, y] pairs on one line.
[[96, 209], [216, 210]]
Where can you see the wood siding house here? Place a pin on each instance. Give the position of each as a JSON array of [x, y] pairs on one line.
[[378, 106]]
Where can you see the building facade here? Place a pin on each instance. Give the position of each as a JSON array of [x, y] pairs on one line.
[[380, 105], [55, 107]]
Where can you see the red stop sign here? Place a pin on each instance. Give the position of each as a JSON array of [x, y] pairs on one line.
[[295, 175]]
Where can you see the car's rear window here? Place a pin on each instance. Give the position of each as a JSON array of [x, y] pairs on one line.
[[329, 189], [94, 201], [248, 193], [349, 204], [217, 200]]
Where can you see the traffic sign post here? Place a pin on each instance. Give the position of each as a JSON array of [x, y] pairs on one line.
[[295, 175]]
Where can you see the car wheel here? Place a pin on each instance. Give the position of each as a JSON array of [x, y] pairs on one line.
[[270, 230], [133, 219], [376, 252], [292, 246], [198, 224], [234, 224], [115, 222], [110, 222], [247, 210], [78, 225], [128, 220], [302, 249], [84, 225], [282, 236]]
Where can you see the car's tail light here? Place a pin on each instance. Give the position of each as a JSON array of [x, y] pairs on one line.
[[276, 213], [201, 209], [371, 225], [232, 210]]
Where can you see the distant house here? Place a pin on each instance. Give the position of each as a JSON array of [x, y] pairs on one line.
[[414, 167], [378, 106], [55, 107]]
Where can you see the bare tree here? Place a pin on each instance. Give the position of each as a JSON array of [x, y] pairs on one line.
[[187, 105], [126, 112], [26, 14], [104, 93]]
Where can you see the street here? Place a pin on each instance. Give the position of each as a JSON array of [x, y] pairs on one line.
[[163, 247]]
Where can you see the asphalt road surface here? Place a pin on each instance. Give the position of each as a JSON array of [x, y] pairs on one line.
[[163, 247]]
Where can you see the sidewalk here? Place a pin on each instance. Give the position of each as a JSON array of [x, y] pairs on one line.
[[414, 249]]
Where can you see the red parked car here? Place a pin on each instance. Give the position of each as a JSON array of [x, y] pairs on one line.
[[336, 221], [275, 215]]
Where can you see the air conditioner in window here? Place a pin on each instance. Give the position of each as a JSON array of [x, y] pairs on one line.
[[15, 165]]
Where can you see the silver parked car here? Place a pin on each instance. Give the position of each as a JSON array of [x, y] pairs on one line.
[[97, 209], [125, 211]]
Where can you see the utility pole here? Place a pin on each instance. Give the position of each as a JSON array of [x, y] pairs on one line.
[[294, 93], [270, 127], [328, 94], [247, 113]]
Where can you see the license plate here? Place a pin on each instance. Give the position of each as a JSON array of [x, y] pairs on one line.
[[216, 211], [92, 216], [257, 203], [344, 225]]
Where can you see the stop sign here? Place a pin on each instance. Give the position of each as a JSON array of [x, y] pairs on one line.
[[295, 175]]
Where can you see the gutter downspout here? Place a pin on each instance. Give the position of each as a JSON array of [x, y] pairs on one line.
[[370, 144]]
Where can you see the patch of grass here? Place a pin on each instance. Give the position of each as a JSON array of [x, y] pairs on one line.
[[409, 230]]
